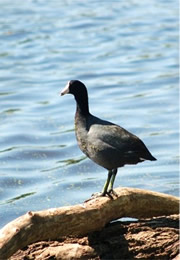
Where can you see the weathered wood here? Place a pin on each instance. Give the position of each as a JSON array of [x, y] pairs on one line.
[[155, 238], [84, 218]]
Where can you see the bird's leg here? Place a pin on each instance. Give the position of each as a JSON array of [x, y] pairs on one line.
[[110, 187], [104, 192]]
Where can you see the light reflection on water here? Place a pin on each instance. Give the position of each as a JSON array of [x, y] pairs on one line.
[[126, 53]]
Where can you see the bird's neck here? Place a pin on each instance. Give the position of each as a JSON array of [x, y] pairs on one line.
[[82, 106]]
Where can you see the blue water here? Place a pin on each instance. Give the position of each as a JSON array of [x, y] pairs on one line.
[[126, 52]]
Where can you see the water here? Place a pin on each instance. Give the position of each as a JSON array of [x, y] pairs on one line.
[[126, 52]]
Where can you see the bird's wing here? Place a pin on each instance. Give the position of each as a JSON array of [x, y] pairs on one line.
[[113, 135], [108, 134]]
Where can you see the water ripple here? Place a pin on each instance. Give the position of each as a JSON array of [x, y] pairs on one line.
[[126, 53]]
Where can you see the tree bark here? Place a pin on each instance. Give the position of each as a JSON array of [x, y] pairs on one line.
[[82, 219]]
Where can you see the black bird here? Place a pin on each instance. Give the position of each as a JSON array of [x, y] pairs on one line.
[[107, 144]]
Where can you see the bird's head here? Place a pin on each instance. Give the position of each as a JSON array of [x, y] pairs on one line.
[[74, 87]]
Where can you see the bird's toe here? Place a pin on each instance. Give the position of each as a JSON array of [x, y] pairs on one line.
[[101, 194], [112, 192]]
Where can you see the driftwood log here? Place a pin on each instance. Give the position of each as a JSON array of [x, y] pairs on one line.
[[76, 221], [155, 238]]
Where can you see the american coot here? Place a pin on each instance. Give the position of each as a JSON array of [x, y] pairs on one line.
[[107, 144]]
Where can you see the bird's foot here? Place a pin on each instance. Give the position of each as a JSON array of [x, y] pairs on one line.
[[108, 194], [99, 194], [94, 196], [104, 194], [112, 192]]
